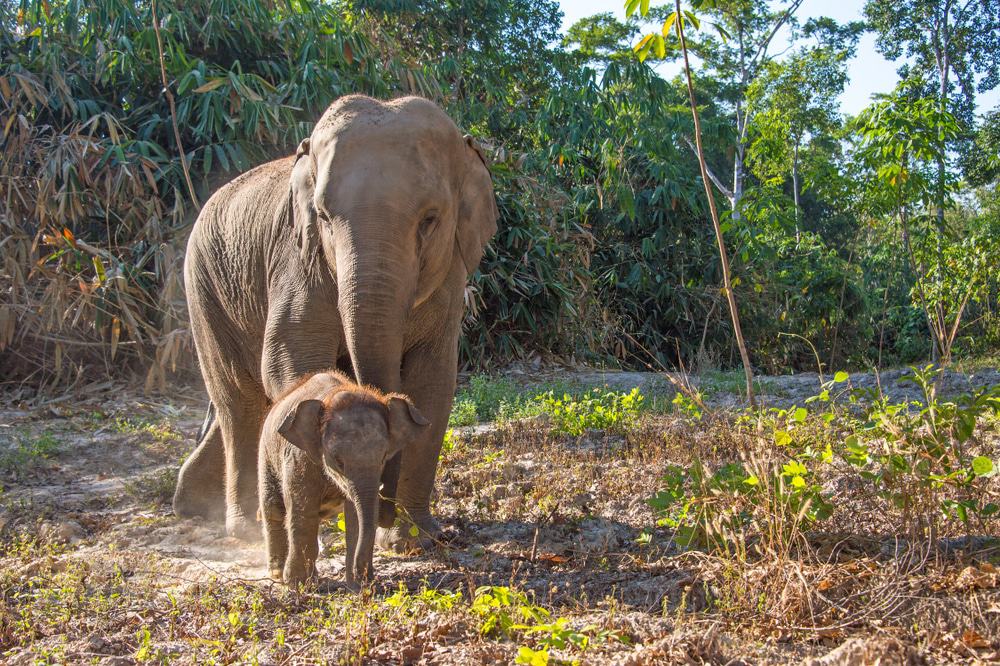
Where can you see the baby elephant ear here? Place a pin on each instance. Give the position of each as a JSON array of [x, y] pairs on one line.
[[404, 417], [301, 427]]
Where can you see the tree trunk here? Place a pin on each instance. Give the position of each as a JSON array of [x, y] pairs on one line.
[[795, 192], [738, 161], [723, 256]]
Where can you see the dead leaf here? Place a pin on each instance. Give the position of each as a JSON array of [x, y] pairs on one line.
[[983, 578], [972, 639], [552, 558]]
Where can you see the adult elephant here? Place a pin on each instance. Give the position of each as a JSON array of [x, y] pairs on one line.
[[353, 253]]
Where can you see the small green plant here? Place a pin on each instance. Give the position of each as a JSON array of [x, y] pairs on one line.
[[504, 612], [145, 652], [487, 398], [594, 410], [703, 508], [29, 452], [162, 432], [451, 440], [426, 597], [525, 655], [463, 413], [690, 407], [917, 456]]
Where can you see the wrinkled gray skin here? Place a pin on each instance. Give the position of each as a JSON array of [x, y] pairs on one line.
[[322, 447], [352, 254]]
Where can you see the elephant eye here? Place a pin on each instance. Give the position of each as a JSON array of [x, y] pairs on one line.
[[338, 462], [428, 224]]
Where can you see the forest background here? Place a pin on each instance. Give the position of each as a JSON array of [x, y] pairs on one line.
[[855, 241]]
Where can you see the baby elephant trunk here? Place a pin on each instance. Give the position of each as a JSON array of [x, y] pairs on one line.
[[366, 503]]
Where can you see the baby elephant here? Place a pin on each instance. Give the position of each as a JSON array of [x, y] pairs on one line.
[[323, 446]]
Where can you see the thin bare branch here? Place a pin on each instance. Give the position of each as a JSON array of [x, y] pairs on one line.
[[173, 110], [726, 192], [723, 256]]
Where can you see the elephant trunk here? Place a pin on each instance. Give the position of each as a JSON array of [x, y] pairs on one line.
[[366, 503], [375, 295]]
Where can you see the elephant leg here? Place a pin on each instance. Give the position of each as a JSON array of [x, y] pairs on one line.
[[387, 502], [240, 420], [276, 540], [303, 546], [199, 491], [428, 377]]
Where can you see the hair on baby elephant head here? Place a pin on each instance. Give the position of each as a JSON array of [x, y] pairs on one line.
[[352, 427]]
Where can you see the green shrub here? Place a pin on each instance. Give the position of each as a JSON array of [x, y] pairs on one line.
[[596, 409]]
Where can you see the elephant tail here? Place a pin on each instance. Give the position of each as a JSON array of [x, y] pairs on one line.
[[207, 423]]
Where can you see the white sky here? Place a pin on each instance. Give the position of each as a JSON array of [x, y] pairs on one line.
[[869, 71]]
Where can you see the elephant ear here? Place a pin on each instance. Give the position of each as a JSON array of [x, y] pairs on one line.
[[301, 211], [301, 427], [405, 420], [477, 211]]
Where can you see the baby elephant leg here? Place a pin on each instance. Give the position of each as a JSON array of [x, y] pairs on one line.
[[276, 539], [303, 546]]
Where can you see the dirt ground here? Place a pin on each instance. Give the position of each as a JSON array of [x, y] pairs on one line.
[[94, 568]]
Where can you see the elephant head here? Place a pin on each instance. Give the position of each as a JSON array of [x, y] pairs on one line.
[[388, 196], [351, 432]]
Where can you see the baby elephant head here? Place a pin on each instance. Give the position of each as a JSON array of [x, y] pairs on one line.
[[352, 433]]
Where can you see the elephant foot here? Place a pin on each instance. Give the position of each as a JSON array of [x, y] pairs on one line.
[[188, 504], [409, 535], [242, 528]]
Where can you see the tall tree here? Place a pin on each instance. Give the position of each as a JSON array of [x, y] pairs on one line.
[[747, 29], [955, 41], [981, 165], [601, 38], [901, 137], [796, 100], [490, 62]]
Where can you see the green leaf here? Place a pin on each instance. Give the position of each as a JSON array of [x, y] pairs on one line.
[[341, 522], [414, 531], [525, 655], [841, 376], [983, 466], [644, 7], [694, 19], [751, 480], [642, 48], [800, 414], [668, 24], [782, 438], [630, 7], [659, 48]]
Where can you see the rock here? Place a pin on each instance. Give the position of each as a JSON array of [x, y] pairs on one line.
[[597, 536], [516, 469], [63, 531], [97, 643]]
